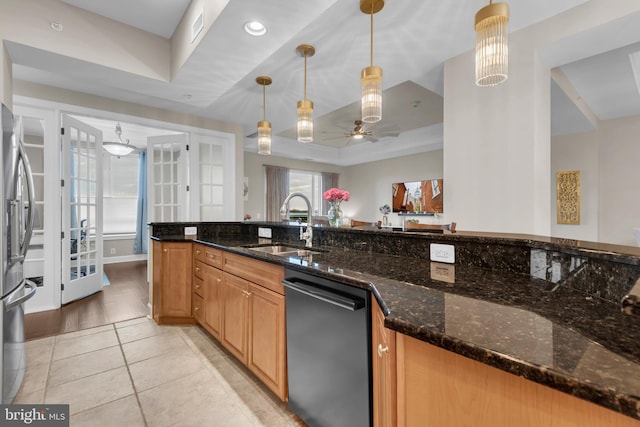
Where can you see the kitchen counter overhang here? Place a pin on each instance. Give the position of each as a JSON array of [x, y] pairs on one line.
[[556, 322]]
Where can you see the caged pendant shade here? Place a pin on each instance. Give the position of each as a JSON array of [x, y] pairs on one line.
[[371, 76], [264, 127], [305, 106], [492, 48]]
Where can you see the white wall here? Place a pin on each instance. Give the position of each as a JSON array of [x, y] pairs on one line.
[[496, 145], [619, 189], [577, 152], [370, 183]]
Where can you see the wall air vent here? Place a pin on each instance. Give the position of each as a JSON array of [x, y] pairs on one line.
[[197, 26]]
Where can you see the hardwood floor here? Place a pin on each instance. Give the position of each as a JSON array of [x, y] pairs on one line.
[[125, 298]]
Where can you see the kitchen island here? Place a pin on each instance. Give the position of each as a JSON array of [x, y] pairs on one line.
[[544, 310]]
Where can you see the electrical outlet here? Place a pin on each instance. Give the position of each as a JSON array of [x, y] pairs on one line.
[[264, 232], [190, 231], [442, 253], [113, 251], [443, 272]]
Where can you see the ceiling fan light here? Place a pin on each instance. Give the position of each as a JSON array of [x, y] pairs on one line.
[[264, 138], [492, 47], [371, 80], [305, 120], [117, 148]]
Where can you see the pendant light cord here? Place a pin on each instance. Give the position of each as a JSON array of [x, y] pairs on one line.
[[305, 74], [371, 37], [264, 102]]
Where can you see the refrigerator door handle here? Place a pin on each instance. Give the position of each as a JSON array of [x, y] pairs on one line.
[[29, 285], [24, 245]]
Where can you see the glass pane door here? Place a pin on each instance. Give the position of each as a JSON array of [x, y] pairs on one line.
[[82, 272], [167, 178]]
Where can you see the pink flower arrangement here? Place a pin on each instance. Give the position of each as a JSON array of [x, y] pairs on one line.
[[336, 195]]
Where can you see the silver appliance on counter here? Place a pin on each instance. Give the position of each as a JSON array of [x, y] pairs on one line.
[[17, 225], [328, 351]]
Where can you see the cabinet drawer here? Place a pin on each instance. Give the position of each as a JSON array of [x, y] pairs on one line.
[[198, 269], [198, 286], [253, 270], [198, 308], [208, 255]]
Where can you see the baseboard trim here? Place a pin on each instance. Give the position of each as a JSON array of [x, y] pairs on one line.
[[124, 258]]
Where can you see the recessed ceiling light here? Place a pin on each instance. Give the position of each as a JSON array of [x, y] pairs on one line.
[[56, 26], [255, 28]]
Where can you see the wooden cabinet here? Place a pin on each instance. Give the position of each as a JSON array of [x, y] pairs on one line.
[[207, 287], [208, 255], [235, 298], [267, 339], [383, 349], [172, 293], [437, 388], [253, 326], [213, 301]]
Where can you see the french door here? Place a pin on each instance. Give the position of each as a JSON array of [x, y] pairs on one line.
[[167, 178], [82, 268]]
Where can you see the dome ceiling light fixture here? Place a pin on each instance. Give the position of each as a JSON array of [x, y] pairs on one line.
[[118, 148], [305, 106], [492, 44], [371, 76], [264, 127]]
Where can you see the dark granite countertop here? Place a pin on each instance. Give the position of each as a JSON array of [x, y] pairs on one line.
[[547, 331]]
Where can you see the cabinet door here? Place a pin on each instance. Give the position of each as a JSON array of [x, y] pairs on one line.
[[234, 323], [267, 342], [172, 282], [384, 371], [213, 301]]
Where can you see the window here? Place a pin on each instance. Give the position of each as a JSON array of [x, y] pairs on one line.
[[309, 184], [120, 196]]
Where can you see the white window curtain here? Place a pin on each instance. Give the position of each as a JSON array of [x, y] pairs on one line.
[[277, 180]]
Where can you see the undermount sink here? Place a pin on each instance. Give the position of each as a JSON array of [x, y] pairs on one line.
[[283, 250]]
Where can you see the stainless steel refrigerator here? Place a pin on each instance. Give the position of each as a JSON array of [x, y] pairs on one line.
[[17, 226]]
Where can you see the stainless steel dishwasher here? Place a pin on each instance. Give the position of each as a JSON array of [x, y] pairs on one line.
[[328, 351]]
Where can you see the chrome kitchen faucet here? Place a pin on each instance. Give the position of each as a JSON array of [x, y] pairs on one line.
[[306, 235]]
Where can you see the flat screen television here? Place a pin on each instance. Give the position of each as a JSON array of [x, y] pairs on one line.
[[417, 197]]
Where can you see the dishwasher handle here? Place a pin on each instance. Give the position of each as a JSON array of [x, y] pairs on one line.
[[351, 304]]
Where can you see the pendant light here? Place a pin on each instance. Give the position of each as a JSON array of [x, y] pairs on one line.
[[371, 78], [118, 148], [492, 48], [305, 107], [264, 127]]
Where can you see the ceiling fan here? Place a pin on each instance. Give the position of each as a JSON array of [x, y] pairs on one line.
[[358, 131], [361, 131]]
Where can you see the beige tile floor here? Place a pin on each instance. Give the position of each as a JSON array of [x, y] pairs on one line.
[[137, 373]]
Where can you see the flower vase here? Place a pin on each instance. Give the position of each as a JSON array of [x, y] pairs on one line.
[[385, 220], [334, 215]]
